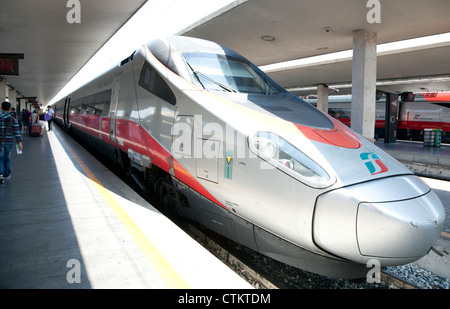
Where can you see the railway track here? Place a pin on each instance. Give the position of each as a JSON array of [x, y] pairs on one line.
[[265, 273], [392, 282]]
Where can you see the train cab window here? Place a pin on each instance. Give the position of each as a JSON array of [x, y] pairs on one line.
[[153, 82], [225, 73]]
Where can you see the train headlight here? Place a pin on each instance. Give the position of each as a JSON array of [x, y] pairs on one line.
[[265, 146], [289, 159]]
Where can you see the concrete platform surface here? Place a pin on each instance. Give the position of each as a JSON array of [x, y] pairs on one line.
[[67, 222]]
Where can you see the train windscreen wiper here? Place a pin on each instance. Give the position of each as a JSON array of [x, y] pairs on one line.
[[199, 74]]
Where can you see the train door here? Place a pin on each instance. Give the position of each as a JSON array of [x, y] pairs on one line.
[[406, 119], [407, 125], [66, 112], [196, 152], [113, 110], [200, 156], [182, 134]]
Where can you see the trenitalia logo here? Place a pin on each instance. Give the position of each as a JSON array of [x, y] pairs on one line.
[[373, 163]]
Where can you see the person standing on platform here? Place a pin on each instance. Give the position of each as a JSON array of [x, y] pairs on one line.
[[26, 119], [9, 129], [51, 113]]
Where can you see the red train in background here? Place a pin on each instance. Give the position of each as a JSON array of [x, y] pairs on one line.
[[427, 110]]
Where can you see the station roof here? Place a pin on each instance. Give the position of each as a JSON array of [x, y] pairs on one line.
[[55, 50], [306, 28]]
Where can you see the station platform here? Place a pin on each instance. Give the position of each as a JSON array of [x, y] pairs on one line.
[[425, 161], [66, 221]]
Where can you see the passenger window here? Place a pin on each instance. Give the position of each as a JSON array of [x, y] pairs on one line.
[[153, 82], [95, 104]]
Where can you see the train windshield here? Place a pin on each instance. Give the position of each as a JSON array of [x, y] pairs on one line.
[[216, 72]]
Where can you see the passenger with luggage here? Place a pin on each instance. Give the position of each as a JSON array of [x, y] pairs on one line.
[[37, 125], [9, 129]]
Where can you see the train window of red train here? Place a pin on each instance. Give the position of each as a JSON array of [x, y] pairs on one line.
[[443, 104]]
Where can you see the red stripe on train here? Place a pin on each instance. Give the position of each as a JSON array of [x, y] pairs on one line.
[[133, 136], [340, 135]]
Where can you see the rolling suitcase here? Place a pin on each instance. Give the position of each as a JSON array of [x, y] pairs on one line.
[[36, 130]]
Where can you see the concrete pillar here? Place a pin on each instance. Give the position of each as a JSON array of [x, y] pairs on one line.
[[3, 91], [23, 104], [322, 98], [12, 95], [364, 78]]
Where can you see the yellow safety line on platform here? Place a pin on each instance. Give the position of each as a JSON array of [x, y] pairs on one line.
[[165, 269]]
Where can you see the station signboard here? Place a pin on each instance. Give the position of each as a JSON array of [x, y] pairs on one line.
[[9, 64]]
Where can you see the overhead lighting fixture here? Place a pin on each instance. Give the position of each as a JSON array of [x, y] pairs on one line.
[[440, 40], [268, 38]]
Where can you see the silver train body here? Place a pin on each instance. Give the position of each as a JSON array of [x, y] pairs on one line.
[[237, 153]]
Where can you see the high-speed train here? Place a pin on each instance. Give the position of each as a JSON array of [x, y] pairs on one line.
[[424, 110], [232, 150]]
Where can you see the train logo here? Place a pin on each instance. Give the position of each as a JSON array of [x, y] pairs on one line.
[[373, 163]]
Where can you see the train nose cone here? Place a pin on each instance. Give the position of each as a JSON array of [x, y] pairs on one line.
[[395, 220], [401, 229]]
